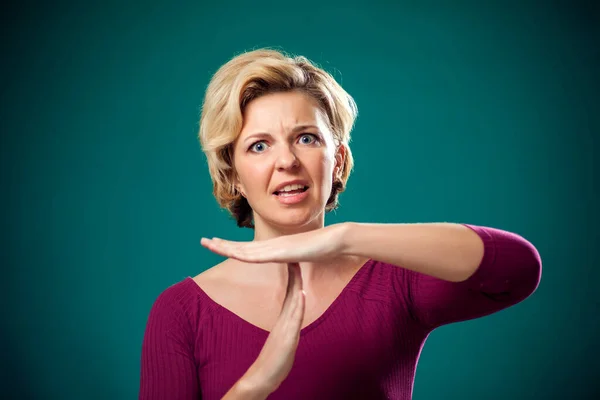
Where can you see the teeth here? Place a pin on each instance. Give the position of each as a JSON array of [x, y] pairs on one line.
[[289, 188]]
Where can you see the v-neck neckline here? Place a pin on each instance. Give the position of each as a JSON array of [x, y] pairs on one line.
[[334, 304]]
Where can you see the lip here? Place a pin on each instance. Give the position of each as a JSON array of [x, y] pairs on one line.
[[294, 182], [293, 199]]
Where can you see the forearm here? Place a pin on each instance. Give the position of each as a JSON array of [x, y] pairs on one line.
[[245, 389], [447, 251]]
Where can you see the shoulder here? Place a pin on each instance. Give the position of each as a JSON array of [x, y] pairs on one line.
[[189, 290], [183, 302], [173, 302]]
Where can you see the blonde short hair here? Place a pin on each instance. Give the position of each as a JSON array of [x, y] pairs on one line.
[[251, 75]]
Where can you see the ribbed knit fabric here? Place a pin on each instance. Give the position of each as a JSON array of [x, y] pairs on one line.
[[366, 345]]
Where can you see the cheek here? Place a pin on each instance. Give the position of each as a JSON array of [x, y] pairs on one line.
[[326, 166], [254, 175]]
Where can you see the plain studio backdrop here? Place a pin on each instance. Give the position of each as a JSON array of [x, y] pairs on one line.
[[484, 114]]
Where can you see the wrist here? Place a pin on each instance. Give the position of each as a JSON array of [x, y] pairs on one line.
[[250, 389], [255, 386], [348, 232]]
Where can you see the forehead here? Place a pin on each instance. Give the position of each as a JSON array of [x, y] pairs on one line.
[[276, 112]]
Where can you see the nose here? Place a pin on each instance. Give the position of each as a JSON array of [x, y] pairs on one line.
[[286, 159]]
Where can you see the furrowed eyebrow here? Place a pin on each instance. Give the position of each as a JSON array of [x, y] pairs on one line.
[[262, 135], [303, 127]]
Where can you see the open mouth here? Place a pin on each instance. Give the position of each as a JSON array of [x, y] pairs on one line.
[[285, 193]]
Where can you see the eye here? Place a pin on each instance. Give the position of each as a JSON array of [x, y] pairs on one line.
[[258, 147], [308, 138]]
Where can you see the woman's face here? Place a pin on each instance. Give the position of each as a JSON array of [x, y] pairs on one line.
[[285, 138]]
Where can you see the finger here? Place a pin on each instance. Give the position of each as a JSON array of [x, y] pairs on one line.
[[297, 312], [255, 252], [259, 252], [290, 319], [294, 293], [294, 278], [224, 247]]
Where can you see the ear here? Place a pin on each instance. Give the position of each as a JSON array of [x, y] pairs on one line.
[[237, 184], [340, 157], [240, 189]]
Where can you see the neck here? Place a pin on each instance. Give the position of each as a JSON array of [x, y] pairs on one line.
[[264, 230], [275, 275]]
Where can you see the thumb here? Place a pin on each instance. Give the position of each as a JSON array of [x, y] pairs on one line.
[[294, 277]]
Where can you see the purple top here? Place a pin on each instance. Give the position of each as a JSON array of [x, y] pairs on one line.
[[366, 345]]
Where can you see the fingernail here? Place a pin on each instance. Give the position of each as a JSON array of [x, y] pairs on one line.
[[303, 292]]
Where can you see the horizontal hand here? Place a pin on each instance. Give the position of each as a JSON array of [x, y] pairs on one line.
[[316, 245]]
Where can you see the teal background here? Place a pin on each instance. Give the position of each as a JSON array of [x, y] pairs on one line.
[[484, 114]]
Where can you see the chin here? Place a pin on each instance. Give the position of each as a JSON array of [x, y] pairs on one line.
[[293, 218]]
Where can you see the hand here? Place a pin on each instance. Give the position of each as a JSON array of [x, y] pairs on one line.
[[278, 353], [317, 245]]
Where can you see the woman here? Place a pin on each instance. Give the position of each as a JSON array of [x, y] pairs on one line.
[[306, 311]]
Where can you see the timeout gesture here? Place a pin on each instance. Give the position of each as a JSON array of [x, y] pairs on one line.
[[276, 358]]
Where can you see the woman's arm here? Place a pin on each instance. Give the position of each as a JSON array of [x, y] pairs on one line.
[[245, 389], [447, 251], [168, 370], [450, 272]]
